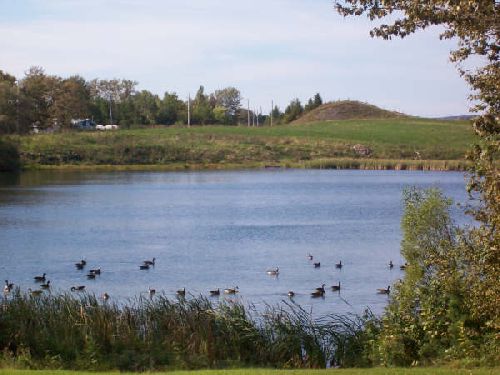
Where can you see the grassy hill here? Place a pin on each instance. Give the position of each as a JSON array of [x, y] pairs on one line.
[[393, 143], [347, 110]]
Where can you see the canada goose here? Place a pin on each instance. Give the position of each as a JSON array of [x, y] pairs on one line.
[[215, 292], [338, 265], [403, 267], [310, 256], [91, 276], [391, 265], [46, 285], [317, 265], [291, 293], [317, 293], [336, 288], [79, 265], [144, 267], [384, 291], [8, 286], [78, 288], [321, 288], [149, 262], [40, 278], [231, 290], [181, 292], [35, 293], [274, 271], [151, 292], [95, 271], [105, 296]]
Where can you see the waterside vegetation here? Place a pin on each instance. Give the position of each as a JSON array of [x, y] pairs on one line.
[[257, 371], [406, 143], [86, 333]]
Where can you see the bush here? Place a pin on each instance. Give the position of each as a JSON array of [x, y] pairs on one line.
[[9, 156]]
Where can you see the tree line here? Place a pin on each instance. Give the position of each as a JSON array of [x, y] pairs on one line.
[[48, 101]]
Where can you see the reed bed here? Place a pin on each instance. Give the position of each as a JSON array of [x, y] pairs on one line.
[[85, 333]]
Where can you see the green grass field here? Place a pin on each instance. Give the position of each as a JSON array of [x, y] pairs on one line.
[[371, 371], [418, 142]]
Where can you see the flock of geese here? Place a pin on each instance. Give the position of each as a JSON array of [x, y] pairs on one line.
[[320, 291], [44, 284]]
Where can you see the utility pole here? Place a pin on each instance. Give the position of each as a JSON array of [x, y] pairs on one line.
[[189, 110], [248, 111], [110, 114], [272, 110], [253, 118]]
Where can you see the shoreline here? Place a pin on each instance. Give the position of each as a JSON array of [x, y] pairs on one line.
[[338, 163]]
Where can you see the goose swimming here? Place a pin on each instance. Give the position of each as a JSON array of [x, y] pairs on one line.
[[384, 291], [274, 271], [35, 293], [231, 290], [336, 288], [40, 278], [317, 293], [149, 262], [8, 286], [46, 285]]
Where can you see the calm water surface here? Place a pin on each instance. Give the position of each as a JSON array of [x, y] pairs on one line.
[[213, 230]]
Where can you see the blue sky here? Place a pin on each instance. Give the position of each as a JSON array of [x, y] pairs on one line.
[[269, 49]]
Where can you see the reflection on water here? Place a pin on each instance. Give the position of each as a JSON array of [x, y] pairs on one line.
[[212, 230]]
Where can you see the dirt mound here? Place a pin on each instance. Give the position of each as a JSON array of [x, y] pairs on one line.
[[346, 110]]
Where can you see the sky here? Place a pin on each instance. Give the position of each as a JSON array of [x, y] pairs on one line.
[[271, 50]]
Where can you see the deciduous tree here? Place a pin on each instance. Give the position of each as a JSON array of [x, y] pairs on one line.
[[475, 25]]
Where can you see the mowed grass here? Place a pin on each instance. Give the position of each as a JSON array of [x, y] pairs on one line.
[[369, 371], [287, 145]]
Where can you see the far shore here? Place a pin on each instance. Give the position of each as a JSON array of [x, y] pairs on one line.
[[340, 163]]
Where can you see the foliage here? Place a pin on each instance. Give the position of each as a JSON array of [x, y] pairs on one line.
[[50, 103], [268, 371], [9, 156], [475, 25], [228, 98], [429, 317], [313, 103], [64, 331], [8, 103], [293, 111], [171, 110]]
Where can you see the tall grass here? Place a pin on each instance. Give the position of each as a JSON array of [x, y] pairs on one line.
[[63, 331], [219, 146]]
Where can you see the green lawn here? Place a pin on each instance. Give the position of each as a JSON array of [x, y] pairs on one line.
[[374, 371], [288, 145]]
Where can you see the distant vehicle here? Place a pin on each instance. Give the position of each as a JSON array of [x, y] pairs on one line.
[[83, 124]]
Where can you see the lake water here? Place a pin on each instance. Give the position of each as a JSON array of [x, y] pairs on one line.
[[211, 230]]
